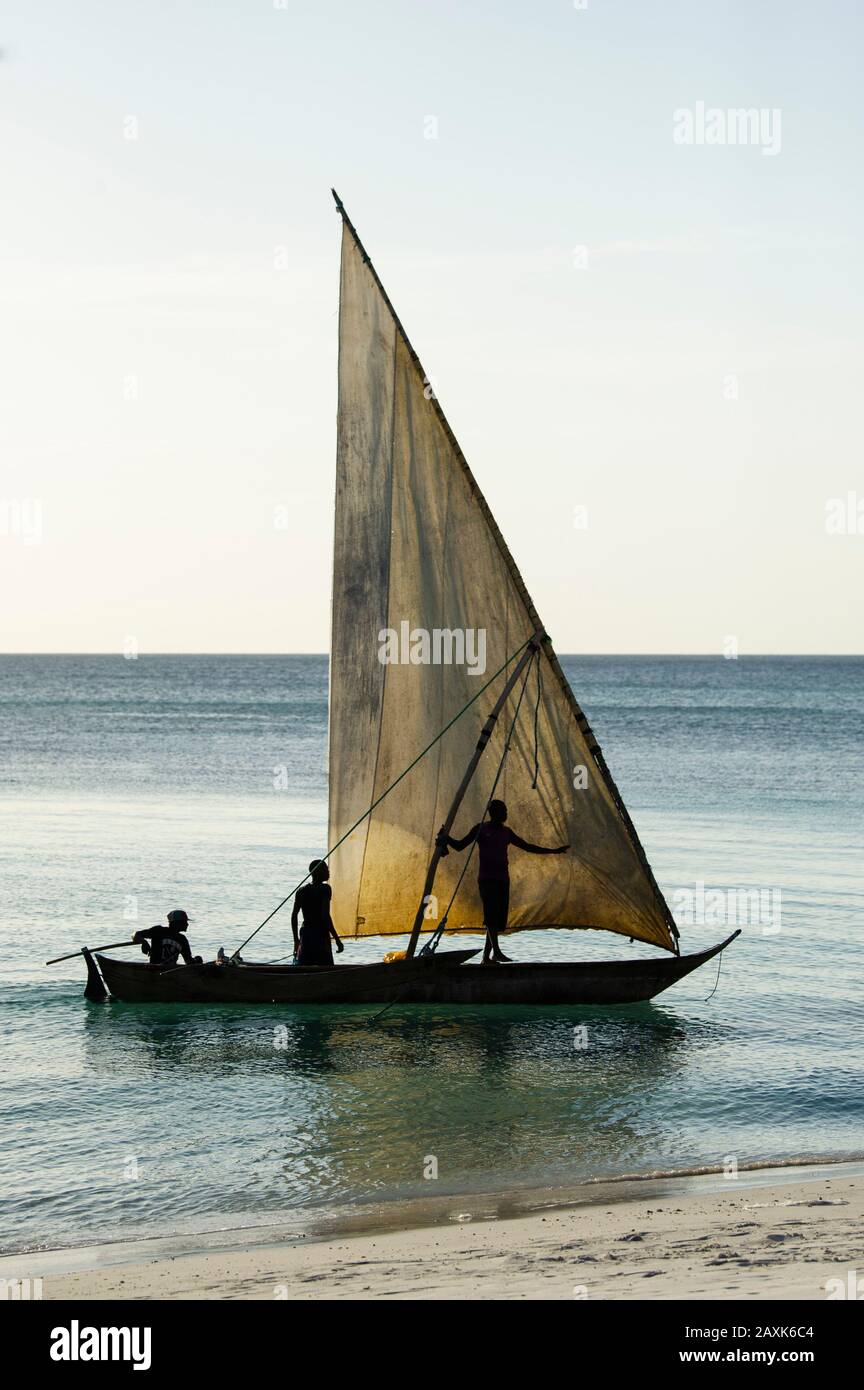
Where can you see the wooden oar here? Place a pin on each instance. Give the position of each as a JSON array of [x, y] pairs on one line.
[[111, 947]]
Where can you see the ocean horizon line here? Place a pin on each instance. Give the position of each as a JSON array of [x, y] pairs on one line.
[[628, 656]]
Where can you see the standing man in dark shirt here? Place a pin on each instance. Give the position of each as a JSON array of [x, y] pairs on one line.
[[164, 944], [312, 945], [493, 838]]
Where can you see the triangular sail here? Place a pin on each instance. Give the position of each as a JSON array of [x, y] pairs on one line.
[[420, 571]]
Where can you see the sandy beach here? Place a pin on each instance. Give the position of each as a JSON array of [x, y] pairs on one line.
[[761, 1236]]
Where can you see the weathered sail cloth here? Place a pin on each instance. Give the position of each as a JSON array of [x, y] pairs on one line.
[[417, 550]]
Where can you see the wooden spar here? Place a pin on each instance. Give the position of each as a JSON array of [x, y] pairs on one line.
[[112, 946], [548, 650], [485, 734]]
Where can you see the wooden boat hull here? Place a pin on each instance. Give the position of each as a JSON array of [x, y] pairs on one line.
[[443, 978], [270, 984], [583, 982]]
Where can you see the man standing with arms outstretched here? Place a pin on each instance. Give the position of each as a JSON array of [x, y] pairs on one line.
[[493, 839]]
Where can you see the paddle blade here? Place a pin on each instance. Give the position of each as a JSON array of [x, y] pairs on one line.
[[94, 990]]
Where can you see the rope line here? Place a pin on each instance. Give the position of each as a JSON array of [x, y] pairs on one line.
[[717, 981], [378, 800]]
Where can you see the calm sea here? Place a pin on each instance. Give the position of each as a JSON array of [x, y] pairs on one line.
[[131, 787]]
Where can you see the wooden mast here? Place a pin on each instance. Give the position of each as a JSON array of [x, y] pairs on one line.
[[485, 734]]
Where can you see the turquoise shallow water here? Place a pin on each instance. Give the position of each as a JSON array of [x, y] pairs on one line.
[[134, 786]]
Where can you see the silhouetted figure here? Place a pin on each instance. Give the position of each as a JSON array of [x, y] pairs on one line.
[[312, 946], [164, 944], [493, 839]]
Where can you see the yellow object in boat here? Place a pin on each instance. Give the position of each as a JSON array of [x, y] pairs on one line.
[[394, 955]]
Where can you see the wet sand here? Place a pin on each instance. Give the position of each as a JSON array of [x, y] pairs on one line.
[[776, 1234]]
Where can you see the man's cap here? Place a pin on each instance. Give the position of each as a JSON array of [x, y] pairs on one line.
[[178, 918]]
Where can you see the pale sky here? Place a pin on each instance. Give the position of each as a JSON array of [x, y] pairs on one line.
[[692, 378]]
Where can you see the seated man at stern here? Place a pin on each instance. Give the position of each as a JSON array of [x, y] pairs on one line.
[[164, 944]]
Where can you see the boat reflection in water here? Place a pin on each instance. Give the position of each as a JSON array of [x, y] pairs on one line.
[[291, 1110]]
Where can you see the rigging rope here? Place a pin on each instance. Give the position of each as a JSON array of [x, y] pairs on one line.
[[432, 943], [378, 800], [717, 981]]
